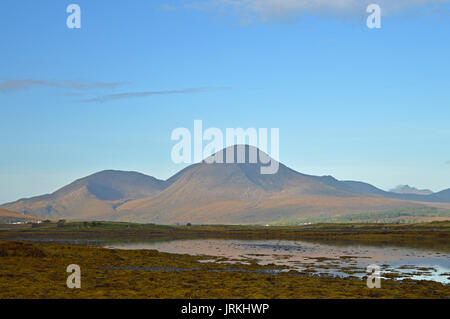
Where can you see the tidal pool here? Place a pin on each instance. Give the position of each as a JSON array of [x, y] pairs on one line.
[[310, 257]]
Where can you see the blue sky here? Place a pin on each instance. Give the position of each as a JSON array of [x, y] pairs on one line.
[[352, 102]]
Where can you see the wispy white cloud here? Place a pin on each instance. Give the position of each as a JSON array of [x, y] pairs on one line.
[[267, 10], [129, 95], [80, 88], [25, 84]]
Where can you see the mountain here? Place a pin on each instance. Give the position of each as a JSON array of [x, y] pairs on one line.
[[238, 193], [91, 197], [443, 196], [224, 193], [406, 189], [218, 193], [354, 187], [7, 216]]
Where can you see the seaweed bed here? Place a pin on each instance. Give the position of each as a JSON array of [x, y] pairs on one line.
[[38, 269]]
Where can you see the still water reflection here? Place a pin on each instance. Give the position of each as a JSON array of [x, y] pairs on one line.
[[318, 258]]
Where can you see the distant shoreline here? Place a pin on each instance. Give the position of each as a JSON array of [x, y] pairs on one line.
[[426, 235]]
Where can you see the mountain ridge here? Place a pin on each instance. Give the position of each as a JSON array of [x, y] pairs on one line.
[[212, 193], [406, 189]]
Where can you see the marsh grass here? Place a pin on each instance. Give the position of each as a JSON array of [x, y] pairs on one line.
[[38, 270]]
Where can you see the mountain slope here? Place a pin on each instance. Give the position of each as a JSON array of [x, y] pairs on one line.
[[239, 193], [218, 193], [442, 196], [91, 197], [353, 186], [7, 216]]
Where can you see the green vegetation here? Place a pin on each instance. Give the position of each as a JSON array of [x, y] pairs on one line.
[[338, 223], [429, 235], [90, 226], [397, 216]]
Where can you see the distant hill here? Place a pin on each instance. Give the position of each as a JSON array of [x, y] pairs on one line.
[[406, 189], [7, 216], [234, 193], [91, 197], [443, 196]]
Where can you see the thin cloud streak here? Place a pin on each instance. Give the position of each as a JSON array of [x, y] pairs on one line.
[[130, 95], [25, 84]]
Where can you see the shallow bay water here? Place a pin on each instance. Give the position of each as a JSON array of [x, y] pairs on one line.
[[311, 257]]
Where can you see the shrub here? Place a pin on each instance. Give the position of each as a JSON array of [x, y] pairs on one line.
[[60, 223], [19, 249]]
